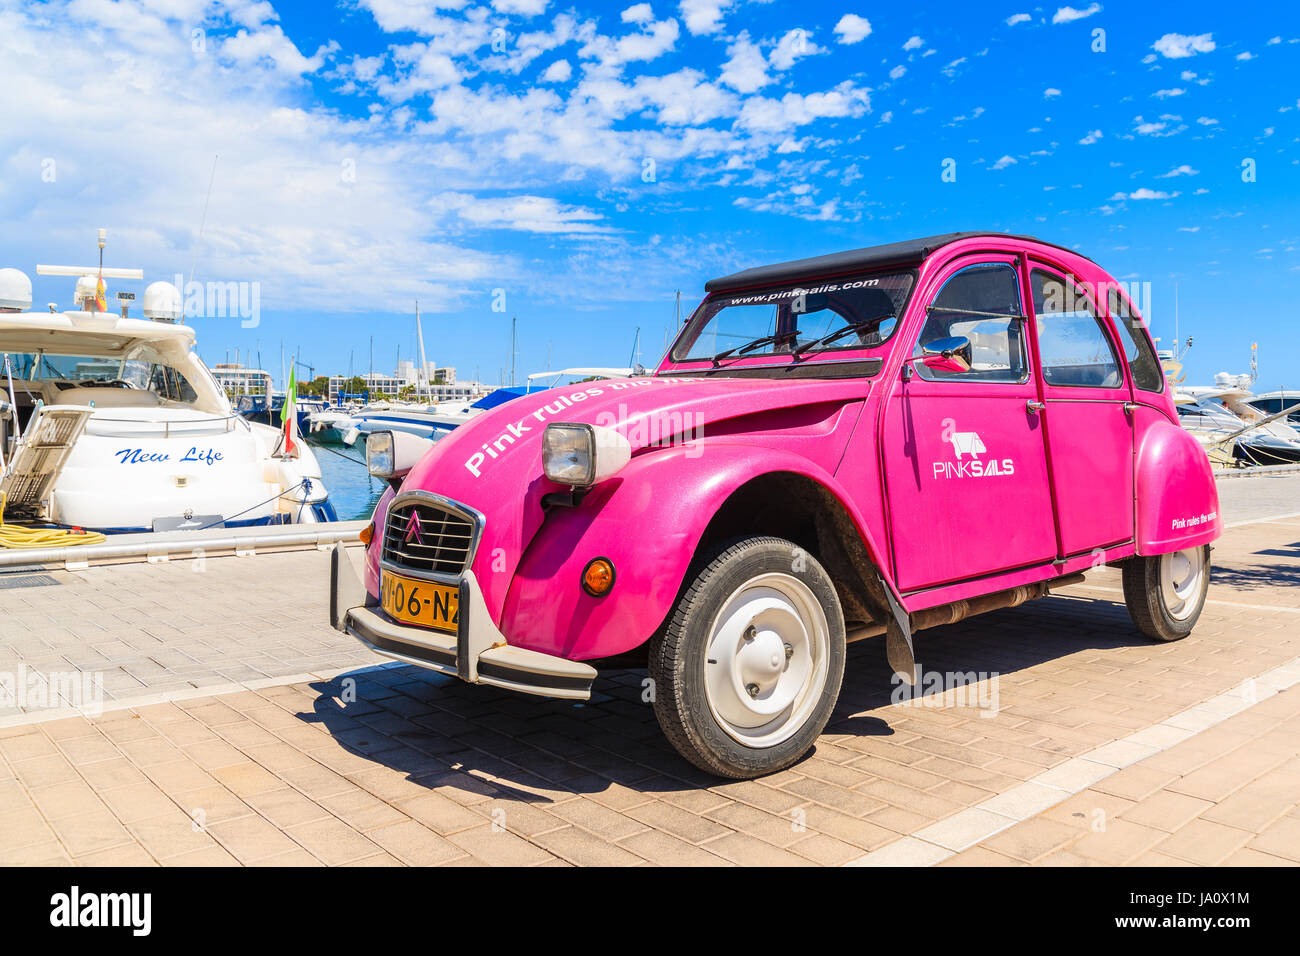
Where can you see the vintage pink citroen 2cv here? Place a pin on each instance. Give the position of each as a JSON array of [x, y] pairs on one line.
[[867, 443]]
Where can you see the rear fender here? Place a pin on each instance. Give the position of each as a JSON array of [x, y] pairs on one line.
[[648, 520], [1177, 501]]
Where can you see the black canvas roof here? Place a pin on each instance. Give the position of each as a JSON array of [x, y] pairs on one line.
[[909, 252]]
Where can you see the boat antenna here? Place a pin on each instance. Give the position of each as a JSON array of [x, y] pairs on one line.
[[203, 220]]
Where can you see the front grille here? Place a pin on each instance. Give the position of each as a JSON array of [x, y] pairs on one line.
[[442, 544]]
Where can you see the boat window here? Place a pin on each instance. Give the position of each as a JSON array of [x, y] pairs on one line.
[[982, 304], [1073, 347], [69, 371], [1141, 356]]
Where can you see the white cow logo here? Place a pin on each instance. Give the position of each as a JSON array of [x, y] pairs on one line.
[[966, 443]]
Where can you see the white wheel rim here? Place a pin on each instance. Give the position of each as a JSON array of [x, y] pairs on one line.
[[766, 660], [1180, 581]]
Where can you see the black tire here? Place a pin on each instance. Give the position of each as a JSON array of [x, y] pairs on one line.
[[1147, 600], [678, 659]]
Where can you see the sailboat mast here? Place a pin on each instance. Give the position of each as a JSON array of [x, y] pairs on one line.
[[422, 375]]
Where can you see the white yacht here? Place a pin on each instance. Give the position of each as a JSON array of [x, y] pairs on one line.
[[115, 424], [1224, 418]]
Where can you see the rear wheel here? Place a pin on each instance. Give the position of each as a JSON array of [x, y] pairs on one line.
[[747, 668], [1166, 593]]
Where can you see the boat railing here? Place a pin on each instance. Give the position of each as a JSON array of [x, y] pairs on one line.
[[181, 425]]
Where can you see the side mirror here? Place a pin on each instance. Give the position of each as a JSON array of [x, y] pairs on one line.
[[945, 353]]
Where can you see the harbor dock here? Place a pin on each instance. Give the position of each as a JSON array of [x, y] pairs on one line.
[[197, 708]]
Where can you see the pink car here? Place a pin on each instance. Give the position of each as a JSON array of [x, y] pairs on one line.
[[867, 443]]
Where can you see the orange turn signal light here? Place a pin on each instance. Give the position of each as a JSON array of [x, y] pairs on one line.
[[598, 577], [367, 533]]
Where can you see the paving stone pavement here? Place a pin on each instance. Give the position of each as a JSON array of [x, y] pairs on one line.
[[397, 765], [178, 625]]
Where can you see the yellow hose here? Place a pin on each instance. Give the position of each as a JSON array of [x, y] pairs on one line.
[[15, 536]]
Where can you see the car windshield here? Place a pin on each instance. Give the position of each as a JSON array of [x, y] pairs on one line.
[[796, 319]]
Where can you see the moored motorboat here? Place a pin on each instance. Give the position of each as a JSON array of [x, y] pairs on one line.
[[115, 424]]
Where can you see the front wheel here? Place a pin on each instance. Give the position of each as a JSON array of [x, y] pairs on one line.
[[747, 668], [1166, 593]]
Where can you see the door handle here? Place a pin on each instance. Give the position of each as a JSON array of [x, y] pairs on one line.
[[1130, 408], [1034, 406]]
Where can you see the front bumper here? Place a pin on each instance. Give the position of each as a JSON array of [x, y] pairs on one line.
[[478, 653]]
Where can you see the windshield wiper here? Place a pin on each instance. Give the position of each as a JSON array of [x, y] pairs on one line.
[[839, 334], [756, 343]]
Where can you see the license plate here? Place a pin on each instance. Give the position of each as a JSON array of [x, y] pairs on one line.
[[422, 603]]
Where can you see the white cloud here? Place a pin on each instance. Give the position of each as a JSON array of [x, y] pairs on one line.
[[1018, 18], [1145, 193], [640, 13], [764, 114], [951, 69], [1177, 46], [1051, 92], [1091, 138], [914, 43], [520, 213], [656, 38], [1070, 14], [1004, 162], [795, 44], [1207, 121], [897, 72], [1183, 170], [703, 16], [1165, 94], [852, 28], [270, 45], [527, 8], [746, 68], [1246, 56], [557, 72]]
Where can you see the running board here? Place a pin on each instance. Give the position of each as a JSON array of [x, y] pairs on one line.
[[41, 454]]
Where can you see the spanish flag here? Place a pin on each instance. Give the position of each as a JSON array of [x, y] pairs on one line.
[[101, 293]]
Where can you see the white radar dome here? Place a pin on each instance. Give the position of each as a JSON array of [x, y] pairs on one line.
[[162, 302], [84, 296], [15, 290]]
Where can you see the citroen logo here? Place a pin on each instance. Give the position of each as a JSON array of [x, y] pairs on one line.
[[413, 529]]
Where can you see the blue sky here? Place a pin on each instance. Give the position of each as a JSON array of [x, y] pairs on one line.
[[576, 164]]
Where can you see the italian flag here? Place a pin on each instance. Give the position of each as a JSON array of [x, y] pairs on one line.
[[289, 416]]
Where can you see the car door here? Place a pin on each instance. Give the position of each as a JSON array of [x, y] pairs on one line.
[[965, 463], [1088, 414]]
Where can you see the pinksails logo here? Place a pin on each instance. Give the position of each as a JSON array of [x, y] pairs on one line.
[[969, 444]]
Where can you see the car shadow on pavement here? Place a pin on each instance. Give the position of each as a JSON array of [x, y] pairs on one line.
[[1257, 576], [442, 733]]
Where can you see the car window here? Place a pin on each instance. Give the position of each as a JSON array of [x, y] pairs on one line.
[[1142, 362], [982, 304], [1073, 347]]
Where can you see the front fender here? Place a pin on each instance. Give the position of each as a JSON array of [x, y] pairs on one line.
[[380, 520], [1177, 501], [648, 521]]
